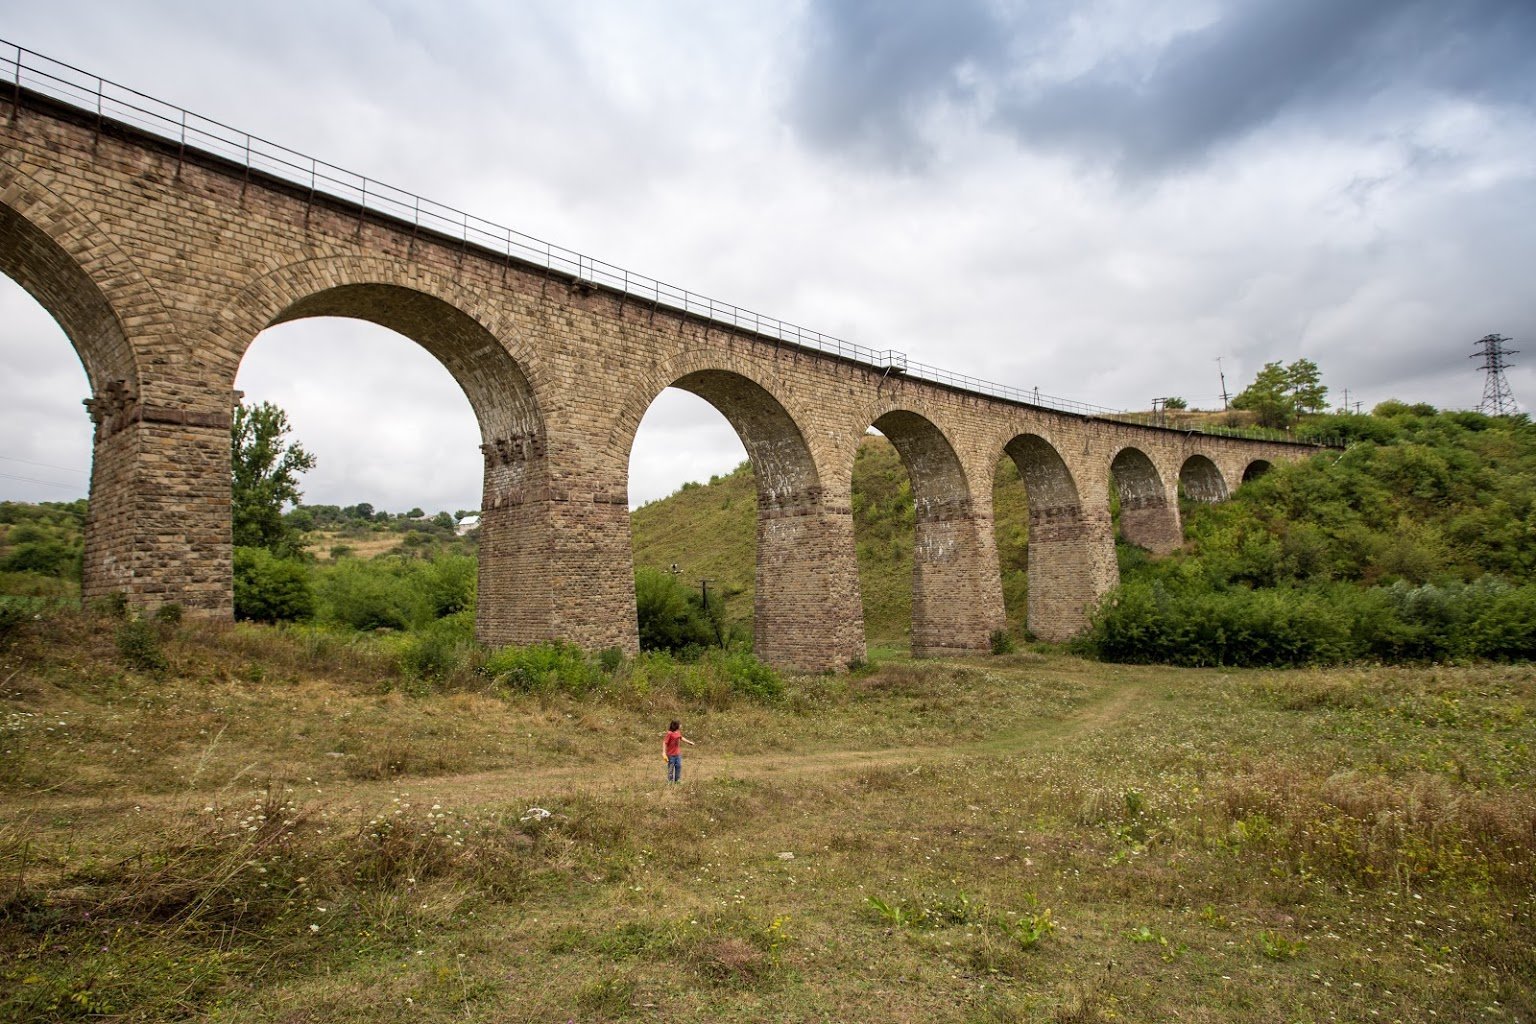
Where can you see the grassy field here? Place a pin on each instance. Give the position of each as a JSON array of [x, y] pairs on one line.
[[252, 825]]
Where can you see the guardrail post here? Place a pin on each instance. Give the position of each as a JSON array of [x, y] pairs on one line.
[[16, 92]]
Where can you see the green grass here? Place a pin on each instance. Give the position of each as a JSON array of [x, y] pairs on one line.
[[275, 827]]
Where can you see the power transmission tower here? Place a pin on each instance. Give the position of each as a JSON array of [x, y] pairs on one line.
[[1498, 400], [1223, 382]]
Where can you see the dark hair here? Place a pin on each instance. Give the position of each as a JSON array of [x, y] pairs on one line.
[[676, 725]]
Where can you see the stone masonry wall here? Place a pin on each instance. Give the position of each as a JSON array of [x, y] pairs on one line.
[[172, 263]]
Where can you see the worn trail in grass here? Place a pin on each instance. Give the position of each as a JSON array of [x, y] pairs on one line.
[[1109, 700], [293, 845]]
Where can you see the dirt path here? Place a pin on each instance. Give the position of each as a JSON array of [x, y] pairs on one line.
[[1110, 701]]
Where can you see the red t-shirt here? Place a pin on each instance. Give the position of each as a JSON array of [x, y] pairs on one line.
[[674, 744]]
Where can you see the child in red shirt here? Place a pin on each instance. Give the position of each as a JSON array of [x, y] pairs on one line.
[[672, 750]]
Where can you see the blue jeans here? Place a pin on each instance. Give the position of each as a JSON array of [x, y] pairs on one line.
[[674, 767]]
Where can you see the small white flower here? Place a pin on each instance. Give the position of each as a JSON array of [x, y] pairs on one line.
[[314, 927]]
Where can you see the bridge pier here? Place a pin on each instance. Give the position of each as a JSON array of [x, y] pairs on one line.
[[554, 560], [158, 526], [1071, 566], [808, 614], [1152, 523], [956, 602]]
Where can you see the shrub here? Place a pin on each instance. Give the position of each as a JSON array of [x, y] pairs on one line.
[[271, 589], [544, 667], [440, 650], [15, 612], [671, 616], [376, 594], [139, 646], [1001, 642]]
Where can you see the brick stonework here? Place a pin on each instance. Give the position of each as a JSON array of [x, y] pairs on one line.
[[163, 267]]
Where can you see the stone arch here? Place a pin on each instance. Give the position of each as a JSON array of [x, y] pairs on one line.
[[949, 614], [1200, 480], [85, 281], [80, 276], [1047, 479], [805, 605], [479, 348], [1256, 469], [754, 404], [517, 598], [1147, 516], [1071, 543]]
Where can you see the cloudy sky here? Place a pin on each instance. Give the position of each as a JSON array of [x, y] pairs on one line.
[[1098, 199]]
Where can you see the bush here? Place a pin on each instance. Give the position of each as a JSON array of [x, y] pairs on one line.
[[377, 594], [139, 645], [16, 612], [271, 589], [671, 616], [1001, 642], [544, 667], [441, 650]]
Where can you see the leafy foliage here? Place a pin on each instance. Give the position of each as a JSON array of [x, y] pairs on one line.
[[1415, 544], [673, 617], [265, 470], [1281, 394], [42, 540], [271, 589]]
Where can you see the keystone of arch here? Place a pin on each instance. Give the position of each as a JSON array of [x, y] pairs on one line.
[[279, 296], [115, 290]]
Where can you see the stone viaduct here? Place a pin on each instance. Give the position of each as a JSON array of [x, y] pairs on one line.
[[163, 262]]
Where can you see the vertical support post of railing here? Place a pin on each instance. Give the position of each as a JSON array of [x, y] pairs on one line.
[[309, 204], [362, 208], [181, 152], [16, 92], [245, 184], [100, 85]]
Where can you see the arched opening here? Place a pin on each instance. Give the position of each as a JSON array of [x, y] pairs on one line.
[[884, 516], [798, 543], [1148, 518], [693, 496], [1256, 469], [1201, 480], [52, 450], [1068, 547], [916, 510], [45, 452], [375, 379]]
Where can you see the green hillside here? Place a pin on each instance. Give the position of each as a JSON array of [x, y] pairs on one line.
[[709, 530]]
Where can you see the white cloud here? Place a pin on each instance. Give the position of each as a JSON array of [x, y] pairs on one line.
[[1374, 218]]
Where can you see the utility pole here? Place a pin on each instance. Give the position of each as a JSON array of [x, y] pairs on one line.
[[1498, 400], [1223, 374], [704, 596], [1157, 411]]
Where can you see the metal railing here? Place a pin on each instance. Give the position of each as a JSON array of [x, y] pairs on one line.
[[26, 69]]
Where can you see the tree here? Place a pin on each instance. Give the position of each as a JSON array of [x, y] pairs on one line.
[[1175, 402], [1307, 388], [265, 472], [1269, 396], [1280, 394]]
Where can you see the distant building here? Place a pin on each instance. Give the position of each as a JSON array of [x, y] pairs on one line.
[[466, 524]]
